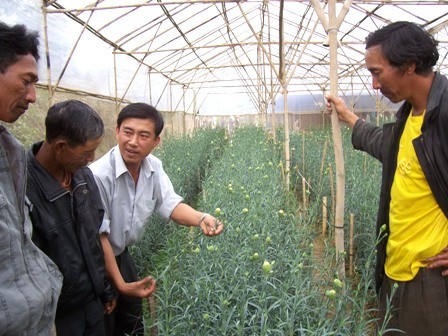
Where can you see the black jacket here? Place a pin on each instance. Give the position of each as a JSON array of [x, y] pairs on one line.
[[65, 227], [431, 149]]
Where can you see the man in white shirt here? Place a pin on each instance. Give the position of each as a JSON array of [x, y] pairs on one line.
[[133, 185]]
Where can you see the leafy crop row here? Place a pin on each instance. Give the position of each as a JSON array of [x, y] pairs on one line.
[[187, 161], [313, 159], [260, 276]]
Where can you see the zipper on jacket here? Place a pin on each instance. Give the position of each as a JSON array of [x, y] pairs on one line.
[[72, 198], [426, 154]]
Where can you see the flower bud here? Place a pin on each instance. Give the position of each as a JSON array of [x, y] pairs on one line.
[[267, 267], [331, 293], [337, 283]]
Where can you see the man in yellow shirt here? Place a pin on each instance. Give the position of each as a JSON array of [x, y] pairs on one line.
[[413, 205]]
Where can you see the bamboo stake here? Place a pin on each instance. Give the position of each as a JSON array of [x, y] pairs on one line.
[[271, 84], [337, 139], [282, 170], [73, 51], [149, 86], [324, 215], [254, 34], [333, 198], [304, 193], [282, 77], [198, 178], [184, 123], [286, 125], [152, 315], [117, 103], [365, 164], [140, 63], [233, 45], [177, 2], [303, 152], [331, 27], [273, 117], [324, 154], [352, 224], [47, 53]]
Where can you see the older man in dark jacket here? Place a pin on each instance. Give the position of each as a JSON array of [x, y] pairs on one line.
[[412, 219], [67, 212]]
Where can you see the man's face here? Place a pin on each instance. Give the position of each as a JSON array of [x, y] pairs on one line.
[[17, 88], [390, 80], [74, 158], [136, 139]]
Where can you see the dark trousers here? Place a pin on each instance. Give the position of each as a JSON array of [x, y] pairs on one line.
[[419, 306], [84, 321], [127, 317]]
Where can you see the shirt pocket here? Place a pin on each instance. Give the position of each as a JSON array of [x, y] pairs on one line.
[[142, 213], [146, 209], [9, 223]]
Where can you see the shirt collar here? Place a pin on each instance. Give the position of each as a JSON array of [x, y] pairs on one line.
[[120, 166]]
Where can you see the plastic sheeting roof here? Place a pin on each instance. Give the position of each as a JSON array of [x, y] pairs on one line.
[[239, 49]]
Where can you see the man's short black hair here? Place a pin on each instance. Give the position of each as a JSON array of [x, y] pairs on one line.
[[16, 41], [404, 43], [142, 111], [73, 121]]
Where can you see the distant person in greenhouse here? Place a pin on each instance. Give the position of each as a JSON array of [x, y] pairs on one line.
[[412, 253], [29, 281], [67, 212], [133, 185]]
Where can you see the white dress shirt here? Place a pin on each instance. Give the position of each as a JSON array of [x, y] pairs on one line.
[[128, 207]]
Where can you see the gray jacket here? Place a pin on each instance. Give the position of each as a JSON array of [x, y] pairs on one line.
[[30, 283]]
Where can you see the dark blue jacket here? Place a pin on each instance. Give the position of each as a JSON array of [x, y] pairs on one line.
[[66, 227], [431, 149]]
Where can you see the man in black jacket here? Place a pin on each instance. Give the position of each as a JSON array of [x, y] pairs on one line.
[[67, 212], [413, 210]]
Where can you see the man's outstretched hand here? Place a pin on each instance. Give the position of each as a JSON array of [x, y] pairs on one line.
[[141, 289]]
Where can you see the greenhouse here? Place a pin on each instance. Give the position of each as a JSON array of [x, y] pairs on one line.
[[241, 85]]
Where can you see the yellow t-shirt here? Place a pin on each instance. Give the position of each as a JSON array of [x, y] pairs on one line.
[[418, 227]]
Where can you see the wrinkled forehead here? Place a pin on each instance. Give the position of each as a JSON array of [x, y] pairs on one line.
[[24, 65]]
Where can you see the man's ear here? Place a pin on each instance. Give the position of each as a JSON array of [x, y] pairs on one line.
[[59, 145], [410, 67], [156, 143]]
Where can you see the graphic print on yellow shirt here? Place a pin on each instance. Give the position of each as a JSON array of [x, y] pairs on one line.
[[418, 228]]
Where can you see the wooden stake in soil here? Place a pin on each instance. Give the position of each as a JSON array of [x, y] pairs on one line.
[[303, 152], [324, 154], [152, 315], [365, 164], [352, 225], [304, 194], [333, 197], [324, 215]]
